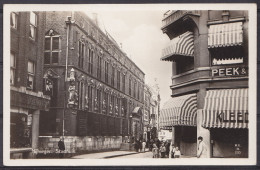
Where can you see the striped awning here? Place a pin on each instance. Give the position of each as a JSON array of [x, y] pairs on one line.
[[180, 110], [182, 45], [226, 109], [224, 35]]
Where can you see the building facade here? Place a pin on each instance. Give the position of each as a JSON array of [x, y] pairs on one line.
[[26, 85], [96, 90], [150, 113], [209, 55]]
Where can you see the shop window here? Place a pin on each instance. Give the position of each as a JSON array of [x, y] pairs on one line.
[[52, 50], [12, 68], [30, 76], [33, 25], [20, 130], [184, 65], [81, 54], [227, 55], [13, 20]]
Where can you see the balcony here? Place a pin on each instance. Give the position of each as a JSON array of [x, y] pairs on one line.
[[178, 20]]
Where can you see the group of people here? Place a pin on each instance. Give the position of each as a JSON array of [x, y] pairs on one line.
[[165, 150], [140, 145], [168, 150]]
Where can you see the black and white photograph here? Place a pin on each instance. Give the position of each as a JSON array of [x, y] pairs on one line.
[[130, 84]]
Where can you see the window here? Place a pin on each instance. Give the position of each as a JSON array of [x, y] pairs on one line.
[[99, 67], [33, 25], [98, 101], [130, 84], [105, 104], [12, 68], [13, 20], [134, 89], [90, 97], [106, 71], [117, 106], [123, 80], [227, 55], [112, 102], [52, 50], [138, 91], [90, 62], [113, 76], [81, 54], [31, 73], [118, 79], [81, 97]]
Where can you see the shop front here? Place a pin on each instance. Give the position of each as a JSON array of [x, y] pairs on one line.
[[225, 114], [180, 115], [24, 121]]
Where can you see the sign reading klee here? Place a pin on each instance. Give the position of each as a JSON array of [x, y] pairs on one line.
[[229, 71]]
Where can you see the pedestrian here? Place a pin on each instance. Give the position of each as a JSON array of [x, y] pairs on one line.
[[167, 145], [61, 146], [172, 151], [143, 146], [163, 150], [136, 145], [177, 153], [155, 151], [202, 148]]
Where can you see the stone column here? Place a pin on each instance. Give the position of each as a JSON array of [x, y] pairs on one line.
[[205, 133], [173, 135], [35, 128]]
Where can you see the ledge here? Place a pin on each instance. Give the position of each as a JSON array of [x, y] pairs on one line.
[[19, 150]]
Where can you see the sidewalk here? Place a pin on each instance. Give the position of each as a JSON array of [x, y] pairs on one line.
[[104, 155]]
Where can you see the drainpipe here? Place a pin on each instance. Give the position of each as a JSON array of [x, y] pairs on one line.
[[68, 21]]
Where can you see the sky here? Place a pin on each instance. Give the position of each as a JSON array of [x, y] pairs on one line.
[[142, 40]]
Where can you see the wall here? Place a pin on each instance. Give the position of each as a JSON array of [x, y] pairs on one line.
[[76, 144]]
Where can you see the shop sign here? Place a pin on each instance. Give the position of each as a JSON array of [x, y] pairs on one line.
[[229, 71], [233, 117]]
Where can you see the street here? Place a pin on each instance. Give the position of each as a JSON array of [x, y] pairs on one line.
[[115, 154]]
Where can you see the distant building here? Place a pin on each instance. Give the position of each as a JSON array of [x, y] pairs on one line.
[[97, 92], [209, 55], [26, 75]]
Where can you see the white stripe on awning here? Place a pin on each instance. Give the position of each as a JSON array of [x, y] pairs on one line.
[[223, 35], [182, 45], [180, 110], [226, 108]]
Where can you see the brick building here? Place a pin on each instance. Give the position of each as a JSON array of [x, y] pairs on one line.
[[97, 92], [209, 55], [26, 73]]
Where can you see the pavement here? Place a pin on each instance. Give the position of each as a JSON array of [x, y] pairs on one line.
[[118, 154], [112, 154]]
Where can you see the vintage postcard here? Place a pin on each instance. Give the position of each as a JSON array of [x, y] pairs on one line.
[[130, 84]]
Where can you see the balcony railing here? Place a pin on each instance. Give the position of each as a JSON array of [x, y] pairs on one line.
[[174, 15]]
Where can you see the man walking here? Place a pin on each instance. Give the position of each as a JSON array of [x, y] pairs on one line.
[[202, 149], [61, 147]]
